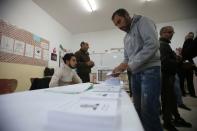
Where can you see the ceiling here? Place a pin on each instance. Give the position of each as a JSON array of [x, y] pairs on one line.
[[74, 17]]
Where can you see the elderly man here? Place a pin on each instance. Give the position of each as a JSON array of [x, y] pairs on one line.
[[169, 65]]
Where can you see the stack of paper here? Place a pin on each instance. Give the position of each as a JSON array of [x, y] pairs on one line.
[[71, 89], [85, 115], [112, 81], [106, 88], [101, 95]]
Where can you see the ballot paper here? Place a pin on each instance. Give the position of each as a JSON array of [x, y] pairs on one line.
[[112, 81], [71, 89], [106, 88], [110, 73], [101, 95], [85, 115]]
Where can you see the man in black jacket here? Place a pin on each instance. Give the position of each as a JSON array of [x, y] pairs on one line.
[[188, 67], [168, 68], [84, 64], [194, 47]]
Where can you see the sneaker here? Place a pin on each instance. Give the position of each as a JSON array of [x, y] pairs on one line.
[[169, 127], [180, 122], [183, 106]]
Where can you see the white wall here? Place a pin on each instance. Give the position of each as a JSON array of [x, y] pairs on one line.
[[102, 40], [27, 15], [181, 29], [99, 41]]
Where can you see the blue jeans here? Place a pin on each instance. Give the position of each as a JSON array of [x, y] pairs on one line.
[[146, 90]]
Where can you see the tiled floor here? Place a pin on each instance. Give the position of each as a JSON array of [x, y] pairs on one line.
[[190, 116]]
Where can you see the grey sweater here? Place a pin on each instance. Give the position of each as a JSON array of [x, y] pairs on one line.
[[141, 45]]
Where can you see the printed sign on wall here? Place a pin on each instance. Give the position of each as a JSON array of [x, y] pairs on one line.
[[20, 46]]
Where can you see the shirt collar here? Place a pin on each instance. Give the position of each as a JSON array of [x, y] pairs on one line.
[[67, 67]]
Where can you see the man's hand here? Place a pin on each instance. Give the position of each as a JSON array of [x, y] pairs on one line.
[[90, 63], [119, 69]]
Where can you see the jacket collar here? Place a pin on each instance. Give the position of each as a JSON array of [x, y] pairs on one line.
[[164, 40], [135, 19], [85, 52]]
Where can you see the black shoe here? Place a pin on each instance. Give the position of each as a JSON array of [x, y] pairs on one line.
[[183, 106], [169, 127], [194, 96], [180, 122]]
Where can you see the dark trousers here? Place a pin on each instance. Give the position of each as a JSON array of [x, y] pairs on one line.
[[129, 78], [84, 77], [188, 75], [168, 98]]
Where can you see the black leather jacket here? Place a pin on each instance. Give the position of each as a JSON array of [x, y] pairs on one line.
[[169, 63]]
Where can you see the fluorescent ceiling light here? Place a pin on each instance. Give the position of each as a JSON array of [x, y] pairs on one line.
[[90, 5]]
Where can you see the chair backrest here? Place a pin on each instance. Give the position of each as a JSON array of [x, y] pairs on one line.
[[40, 83], [7, 85], [48, 72]]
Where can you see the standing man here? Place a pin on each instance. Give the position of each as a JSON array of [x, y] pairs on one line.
[[188, 63], [65, 75], [142, 58], [169, 65], [84, 64]]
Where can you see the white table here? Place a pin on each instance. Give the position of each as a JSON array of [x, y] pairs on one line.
[[27, 111]]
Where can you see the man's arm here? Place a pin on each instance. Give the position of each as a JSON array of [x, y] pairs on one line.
[[83, 64], [55, 78], [79, 62], [119, 69], [168, 61], [148, 33], [76, 78]]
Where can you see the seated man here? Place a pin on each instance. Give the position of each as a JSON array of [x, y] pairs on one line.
[[66, 75]]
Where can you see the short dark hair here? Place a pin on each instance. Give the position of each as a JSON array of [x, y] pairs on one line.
[[120, 12], [82, 43], [191, 33], [68, 56], [163, 29]]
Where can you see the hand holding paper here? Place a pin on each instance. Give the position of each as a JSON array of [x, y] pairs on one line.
[[114, 74], [119, 69]]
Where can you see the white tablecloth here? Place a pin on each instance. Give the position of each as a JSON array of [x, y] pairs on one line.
[[27, 111]]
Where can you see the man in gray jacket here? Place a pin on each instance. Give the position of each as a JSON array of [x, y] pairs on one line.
[[142, 58]]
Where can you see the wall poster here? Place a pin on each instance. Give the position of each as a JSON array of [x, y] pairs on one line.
[[20, 46]]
